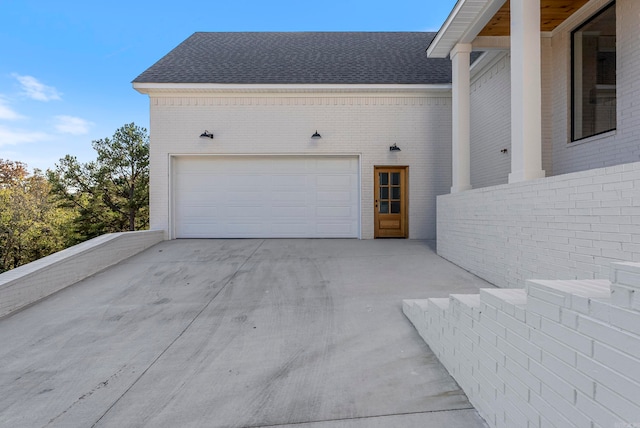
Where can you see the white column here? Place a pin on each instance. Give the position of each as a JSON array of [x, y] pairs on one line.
[[461, 146], [526, 92]]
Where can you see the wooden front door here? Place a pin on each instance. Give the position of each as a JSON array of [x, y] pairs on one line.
[[391, 216]]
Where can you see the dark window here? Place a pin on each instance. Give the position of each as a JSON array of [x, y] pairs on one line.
[[593, 65]]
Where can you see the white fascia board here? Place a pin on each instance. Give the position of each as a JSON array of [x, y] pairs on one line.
[[159, 88], [465, 21]]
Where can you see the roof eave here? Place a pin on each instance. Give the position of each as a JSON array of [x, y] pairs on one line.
[[463, 24], [160, 88]]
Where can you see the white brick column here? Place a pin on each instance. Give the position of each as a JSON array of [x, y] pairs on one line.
[[461, 150], [526, 92]]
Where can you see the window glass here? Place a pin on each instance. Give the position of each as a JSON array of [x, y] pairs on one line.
[[594, 75], [384, 178], [384, 193], [395, 193]]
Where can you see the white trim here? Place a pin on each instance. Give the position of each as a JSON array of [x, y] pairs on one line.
[[487, 60], [465, 21], [154, 88]]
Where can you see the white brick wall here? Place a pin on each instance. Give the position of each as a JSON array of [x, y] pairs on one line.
[[615, 148], [521, 365], [565, 227], [491, 124], [271, 123], [29, 283]]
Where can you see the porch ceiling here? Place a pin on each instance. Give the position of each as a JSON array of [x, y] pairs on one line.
[[552, 14]]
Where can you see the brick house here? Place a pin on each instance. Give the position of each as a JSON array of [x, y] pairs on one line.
[[261, 171], [528, 120]]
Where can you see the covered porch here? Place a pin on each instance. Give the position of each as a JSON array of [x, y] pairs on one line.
[[542, 91]]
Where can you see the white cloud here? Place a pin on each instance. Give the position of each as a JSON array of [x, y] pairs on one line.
[[37, 90], [14, 136], [72, 125], [7, 113]]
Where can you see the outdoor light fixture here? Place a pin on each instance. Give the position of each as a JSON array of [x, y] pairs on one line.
[[394, 148], [504, 150], [316, 135], [206, 134]]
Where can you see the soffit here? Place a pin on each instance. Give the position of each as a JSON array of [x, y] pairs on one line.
[[552, 14], [472, 18]]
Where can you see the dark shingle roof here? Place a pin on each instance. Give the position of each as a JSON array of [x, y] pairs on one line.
[[312, 58]]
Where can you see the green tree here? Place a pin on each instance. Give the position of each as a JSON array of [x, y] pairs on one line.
[[111, 194], [31, 224]]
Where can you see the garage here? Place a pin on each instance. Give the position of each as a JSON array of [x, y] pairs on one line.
[[265, 196]]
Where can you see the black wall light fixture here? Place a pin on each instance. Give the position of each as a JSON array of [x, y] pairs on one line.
[[316, 136], [394, 148], [206, 134]]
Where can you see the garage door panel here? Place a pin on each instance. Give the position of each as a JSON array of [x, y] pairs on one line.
[[205, 212], [286, 196], [328, 212], [245, 196], [328, 229], [335, 196], [244, 211]]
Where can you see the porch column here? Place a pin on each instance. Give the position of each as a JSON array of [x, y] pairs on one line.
[[461, 149], [526, 92]]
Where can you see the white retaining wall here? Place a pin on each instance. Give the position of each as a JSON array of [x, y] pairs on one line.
[[29, 283], [558, 354], [565, 227]]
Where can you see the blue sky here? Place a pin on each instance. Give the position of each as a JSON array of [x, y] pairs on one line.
[[66, 66]]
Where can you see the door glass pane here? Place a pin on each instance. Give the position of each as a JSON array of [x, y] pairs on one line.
[[395, 178], [395, 193], [395, 207], [384, 193], [384, 207], [384, 178]]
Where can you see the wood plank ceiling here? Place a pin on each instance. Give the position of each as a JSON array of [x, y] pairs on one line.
[[552, 14]]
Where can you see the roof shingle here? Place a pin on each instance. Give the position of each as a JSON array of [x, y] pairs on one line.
[[301, 58]]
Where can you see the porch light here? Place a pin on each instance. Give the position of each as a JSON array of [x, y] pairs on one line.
[[206, 134], [394, 148], [316, 136]]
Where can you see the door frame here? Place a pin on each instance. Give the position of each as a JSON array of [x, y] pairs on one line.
[[404, 200]]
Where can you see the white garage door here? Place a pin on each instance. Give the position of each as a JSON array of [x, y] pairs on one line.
[[265, 197]]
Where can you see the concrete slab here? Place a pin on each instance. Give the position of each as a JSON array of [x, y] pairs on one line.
[[238, 333]]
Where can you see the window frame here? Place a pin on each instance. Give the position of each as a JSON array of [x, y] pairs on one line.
[[572, 121]]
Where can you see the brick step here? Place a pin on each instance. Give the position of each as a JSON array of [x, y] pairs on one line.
[[504, 298], [414, 307], [547, 297], [625, 285], [440, 303], [468, 300], [467, 305]]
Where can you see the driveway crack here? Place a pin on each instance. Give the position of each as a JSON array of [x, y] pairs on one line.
[[231, 278]]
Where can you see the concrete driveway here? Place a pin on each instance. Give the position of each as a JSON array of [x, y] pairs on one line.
[[238, 333]]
